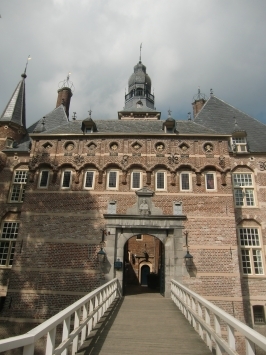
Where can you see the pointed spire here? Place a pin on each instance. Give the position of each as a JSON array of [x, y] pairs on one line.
[[15, 111]]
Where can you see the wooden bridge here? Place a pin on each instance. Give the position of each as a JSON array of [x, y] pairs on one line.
[[144, 323], [104, 322]]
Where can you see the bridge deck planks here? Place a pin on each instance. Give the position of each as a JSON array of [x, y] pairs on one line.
[[144, 324]]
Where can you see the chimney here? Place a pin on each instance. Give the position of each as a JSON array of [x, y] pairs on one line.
[[199, 101], [197, 106], [64, 97]]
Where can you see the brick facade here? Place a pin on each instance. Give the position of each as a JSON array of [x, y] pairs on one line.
[[60, 227]]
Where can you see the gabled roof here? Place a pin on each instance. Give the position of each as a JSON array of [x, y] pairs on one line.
[[220, 116], [15, 111], [54, 119], [127, 127]]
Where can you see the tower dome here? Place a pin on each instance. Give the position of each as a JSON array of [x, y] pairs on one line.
[[139, 89]]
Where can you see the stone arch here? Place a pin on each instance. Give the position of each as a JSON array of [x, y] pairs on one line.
[[235, 168], [114, 165], [211, 167]]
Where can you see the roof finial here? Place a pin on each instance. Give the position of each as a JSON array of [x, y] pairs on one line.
[[169, 113], [140, 52], [211, 92], [24, 74], [90, 111], [74, 117]]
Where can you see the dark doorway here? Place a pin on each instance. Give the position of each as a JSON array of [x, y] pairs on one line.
[[143, 265], [145, 272]]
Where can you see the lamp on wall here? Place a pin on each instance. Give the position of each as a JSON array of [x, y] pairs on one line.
[[188, 257], [102, 254]]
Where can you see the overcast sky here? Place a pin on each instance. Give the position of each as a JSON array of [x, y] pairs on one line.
[[218, 44]]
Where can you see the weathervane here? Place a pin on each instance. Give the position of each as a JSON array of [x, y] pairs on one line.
[[29, 58], [140, 52], [90, 111], [66, 83]]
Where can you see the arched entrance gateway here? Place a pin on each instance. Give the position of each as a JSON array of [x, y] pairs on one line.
[[144, 222], [143, 264]]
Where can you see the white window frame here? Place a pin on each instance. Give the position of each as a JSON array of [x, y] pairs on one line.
[[40, 179], [116, 180], [17, 188], [244, 191], [164, 180], [8, 238], [85, 180], [240, 144], [214, 180], [140, 179], [251, 251], [70, 180], [189, 181]]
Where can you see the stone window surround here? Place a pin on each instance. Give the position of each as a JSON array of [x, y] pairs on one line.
[[17, 188], [41, 177], [140, 179], [244, 188], [214, 180], [10, 241], [62, 179], [116, 179], [249, 250], [189, 180], [85, 178], [164, 180]]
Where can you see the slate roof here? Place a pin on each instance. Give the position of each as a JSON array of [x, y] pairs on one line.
[[52, 120], [15, 111], [221, 117], [115, 126]]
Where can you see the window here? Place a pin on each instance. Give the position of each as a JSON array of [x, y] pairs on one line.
[[66, 179], [9, 143], [112, 180], [160, 180], [136, 181], [251, 253], [7, 243], [185, 182], [239, 144], [210, 181], [18, 186], [258, 313], [139, 237], [89, 180], [243, 189], [44, 178]]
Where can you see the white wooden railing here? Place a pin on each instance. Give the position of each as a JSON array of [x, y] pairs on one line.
[[208, 320], [85, 313]]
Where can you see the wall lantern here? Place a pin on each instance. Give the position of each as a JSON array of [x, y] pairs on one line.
[[101, 256], [188, 257]]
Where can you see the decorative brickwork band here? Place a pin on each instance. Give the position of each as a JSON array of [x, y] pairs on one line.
[[198, 179], [148, 177]]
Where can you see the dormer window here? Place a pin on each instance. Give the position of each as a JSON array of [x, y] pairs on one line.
[[239, 144], [9, 143]]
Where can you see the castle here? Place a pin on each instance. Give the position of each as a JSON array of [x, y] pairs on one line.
[[84, 201]]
